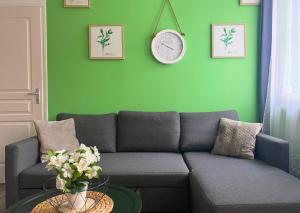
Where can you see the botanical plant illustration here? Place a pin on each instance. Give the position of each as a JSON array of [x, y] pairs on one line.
[[104, 38], [227, 36]]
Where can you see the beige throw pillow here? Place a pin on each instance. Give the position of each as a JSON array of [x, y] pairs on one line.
[[56, 135], [236, 139]]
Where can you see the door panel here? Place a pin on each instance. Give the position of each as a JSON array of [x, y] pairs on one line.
[[15, 107], [21, 72], [15, 42]]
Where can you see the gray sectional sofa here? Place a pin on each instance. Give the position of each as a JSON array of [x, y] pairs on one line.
[[166, 157]]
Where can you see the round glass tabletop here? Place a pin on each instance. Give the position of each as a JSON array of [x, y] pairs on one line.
[[125, 201]]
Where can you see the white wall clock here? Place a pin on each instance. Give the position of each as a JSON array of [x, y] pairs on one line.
[[168, 46]]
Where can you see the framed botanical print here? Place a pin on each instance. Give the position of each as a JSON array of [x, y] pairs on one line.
[[228, 40], [106, 42], [77, 3], [250, 2]]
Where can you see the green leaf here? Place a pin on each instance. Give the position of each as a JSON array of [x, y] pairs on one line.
[[50, 153]]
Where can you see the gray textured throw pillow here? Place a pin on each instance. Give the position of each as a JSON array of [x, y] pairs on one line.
[[236, 139], [56, 135]]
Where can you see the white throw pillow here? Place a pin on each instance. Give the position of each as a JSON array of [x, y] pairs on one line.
[[56, 135]]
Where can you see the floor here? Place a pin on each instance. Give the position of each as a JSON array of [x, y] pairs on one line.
[[2, 199]]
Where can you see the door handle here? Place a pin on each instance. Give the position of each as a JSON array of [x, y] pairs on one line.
[[37, 94]]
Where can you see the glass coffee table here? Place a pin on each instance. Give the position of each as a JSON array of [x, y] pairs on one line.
[[125, 201]]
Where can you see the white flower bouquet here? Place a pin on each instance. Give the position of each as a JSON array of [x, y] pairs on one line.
[[74, 169]]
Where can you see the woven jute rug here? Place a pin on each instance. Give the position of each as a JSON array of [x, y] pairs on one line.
[[105, 205]]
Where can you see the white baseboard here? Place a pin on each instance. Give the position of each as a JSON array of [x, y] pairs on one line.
[[2, 173]]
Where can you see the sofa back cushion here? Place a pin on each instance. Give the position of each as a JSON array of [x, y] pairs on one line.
[[199, 130], [95, 130], [148, 131]]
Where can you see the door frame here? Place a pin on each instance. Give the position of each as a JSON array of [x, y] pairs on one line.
[[42, 5]]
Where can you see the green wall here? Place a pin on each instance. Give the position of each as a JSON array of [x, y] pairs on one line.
[[197, 83]]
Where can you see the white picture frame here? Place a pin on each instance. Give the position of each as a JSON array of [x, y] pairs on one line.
[[229, 41], [77, 3], [250, 2], [106, 42]]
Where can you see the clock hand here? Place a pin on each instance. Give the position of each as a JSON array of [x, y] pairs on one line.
[[167, 46]]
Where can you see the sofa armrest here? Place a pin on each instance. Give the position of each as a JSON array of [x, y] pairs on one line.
[[18, 157], [273, 151]]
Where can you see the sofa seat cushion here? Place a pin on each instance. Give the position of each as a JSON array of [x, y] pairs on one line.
[[146, 169], [227, 185], [34, 177], [128, 169]]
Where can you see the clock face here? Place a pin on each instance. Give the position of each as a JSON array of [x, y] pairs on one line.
[[168, 47]]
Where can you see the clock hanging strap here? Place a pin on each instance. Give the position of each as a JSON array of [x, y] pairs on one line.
[[174, 14]]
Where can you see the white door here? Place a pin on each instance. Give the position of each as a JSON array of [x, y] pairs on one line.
[[22, 74]]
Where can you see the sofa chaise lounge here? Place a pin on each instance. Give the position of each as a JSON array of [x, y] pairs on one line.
[[166, 157]]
